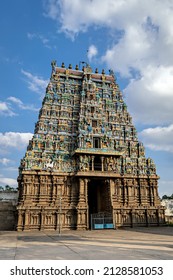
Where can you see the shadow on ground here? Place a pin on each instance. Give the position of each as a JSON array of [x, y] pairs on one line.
[[162, 230]]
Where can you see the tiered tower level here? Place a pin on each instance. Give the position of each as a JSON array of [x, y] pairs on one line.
[[85, 160]]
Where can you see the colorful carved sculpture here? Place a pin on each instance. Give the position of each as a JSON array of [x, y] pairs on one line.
[[85, 152]]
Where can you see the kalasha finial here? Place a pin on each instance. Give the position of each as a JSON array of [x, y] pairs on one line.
[[111, 72], [53, 64]]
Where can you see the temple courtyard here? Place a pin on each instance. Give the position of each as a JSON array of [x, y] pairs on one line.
[[154, 243]]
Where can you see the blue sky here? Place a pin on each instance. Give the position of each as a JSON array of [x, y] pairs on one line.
[[132, 37]]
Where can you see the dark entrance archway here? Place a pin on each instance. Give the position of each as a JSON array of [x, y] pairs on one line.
[[99, 200]]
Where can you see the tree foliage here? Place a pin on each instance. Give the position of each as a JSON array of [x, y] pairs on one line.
[[167, 197], [7, 188]]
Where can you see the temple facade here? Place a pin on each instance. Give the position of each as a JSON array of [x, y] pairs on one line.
[[84, 167]]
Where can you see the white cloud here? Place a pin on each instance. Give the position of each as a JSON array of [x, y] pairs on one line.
[[158, 138], [165, 187], [40, 37], [144, 32], [4, 161], [150, 98], [35, 83], [16, 140], [92, 51], [51, 9], [76, 16], [21, 105], [31, 36], [16, 100], [143, 51], [11, 169], [6, 110], [131, 52], [160, 81], [8, 181]]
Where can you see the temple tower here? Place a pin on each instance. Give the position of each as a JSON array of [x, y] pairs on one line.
[[84, 163]]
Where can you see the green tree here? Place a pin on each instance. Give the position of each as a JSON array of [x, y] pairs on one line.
[[167, 197], [8, 188]]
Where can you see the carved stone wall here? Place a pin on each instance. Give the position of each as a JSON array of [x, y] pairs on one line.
[[84, 139]]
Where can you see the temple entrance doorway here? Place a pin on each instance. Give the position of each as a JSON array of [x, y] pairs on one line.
[[99, 200]]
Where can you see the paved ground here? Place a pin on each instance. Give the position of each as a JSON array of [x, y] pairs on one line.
[[127, 244]]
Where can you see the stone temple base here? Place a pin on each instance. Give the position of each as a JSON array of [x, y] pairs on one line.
[[65, 202]]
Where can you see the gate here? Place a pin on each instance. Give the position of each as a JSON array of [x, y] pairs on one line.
[[102, 220]]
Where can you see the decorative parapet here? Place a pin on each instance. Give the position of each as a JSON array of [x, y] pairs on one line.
[[98, 152]]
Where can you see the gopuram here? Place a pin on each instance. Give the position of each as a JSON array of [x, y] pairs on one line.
[[84, 167]]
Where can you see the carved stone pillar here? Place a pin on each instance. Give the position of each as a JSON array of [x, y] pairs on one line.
[[131, 196], [155, 190], [152, 197], [54, 191], [102, 162], [42, 220], [74, 194], [83, 187], [114, 189], [82, 208], [27, 220], [67, 193], [86, 190], [20, 220], [142, 192], [92, 160], [57, 221], [135, 192], [125, 185], [119, 191]]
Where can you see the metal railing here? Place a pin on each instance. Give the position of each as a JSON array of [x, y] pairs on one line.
[[102, 220]]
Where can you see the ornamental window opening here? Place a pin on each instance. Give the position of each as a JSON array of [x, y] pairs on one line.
[[94, 123], [96, 143], [97, 163]]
